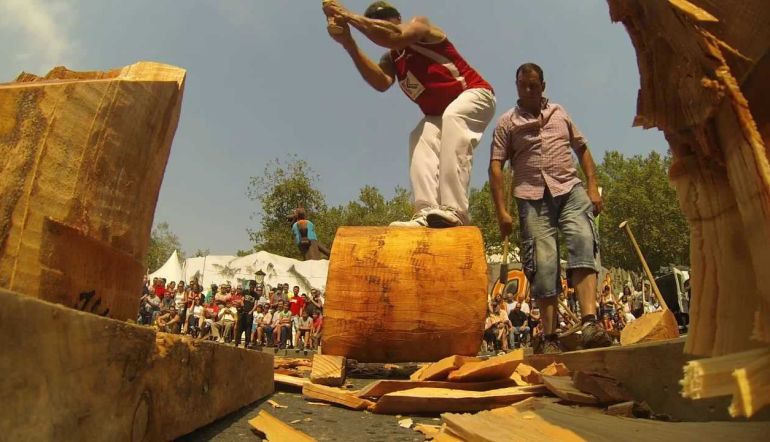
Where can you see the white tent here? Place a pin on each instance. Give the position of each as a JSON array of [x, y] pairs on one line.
[[214, 269], [171, 270]]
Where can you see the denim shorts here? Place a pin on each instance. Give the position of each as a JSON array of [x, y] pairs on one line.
[[540, 222]]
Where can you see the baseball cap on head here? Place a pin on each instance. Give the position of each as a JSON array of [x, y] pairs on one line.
[[382, 10]]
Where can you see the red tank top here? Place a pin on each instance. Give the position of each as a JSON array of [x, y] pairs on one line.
[[434, 74]]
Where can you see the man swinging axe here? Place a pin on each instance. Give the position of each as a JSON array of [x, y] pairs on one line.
[[456, 101]]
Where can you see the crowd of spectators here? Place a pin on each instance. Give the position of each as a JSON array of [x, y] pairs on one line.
[[258, 315], [512, 323]]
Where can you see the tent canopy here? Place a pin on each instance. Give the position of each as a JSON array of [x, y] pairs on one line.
[[171, 270]]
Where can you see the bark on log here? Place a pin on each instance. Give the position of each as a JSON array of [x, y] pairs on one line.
[[82, 156], [404, 294]]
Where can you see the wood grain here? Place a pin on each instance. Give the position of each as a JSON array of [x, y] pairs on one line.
[[405, 294], [440, 400], [328, 370]]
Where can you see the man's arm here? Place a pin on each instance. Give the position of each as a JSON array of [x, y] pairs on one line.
[[497, 185], [393, 36], [380, 77], [589, 169]]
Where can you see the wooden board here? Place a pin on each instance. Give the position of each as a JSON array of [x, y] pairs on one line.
[[335, 396], [328, 370], [555, 369], [606, 389], [290, 381], [528, 374], [82, 157], [382, 300], [276, 430], [380, 388], [439, 370], [563, 387], [440, 400], [545, 421], [86, 377], [499, 367]]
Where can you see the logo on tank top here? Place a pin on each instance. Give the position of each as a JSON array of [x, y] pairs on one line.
[[411, 86]]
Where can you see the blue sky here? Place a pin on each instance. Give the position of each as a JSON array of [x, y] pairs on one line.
[[264, 80]]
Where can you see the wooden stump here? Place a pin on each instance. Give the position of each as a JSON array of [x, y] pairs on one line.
[[405, 294], [82, 156]]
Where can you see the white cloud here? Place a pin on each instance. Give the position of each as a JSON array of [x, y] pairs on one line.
[[42, 28]]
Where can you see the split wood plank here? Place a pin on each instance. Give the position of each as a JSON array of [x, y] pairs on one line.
[[606, 389], [623, 409], [529, 374], [275, 430], [335, 396], [499, 367], [652, 326], [445, 435], [438, 371], [555, 369], [328, 370], [542, 420], [429, 431], [381, 388], [440, 400], [118, 380], [291, 381], [563, 387]]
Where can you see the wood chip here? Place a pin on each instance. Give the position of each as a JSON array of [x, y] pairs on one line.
[[406, 423], [276, 404], [276, 430]]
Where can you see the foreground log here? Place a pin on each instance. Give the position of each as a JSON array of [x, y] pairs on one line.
[[402, 294], [82, 157], [84, 377]]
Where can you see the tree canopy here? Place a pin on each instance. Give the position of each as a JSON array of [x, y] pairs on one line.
[[163, 242]]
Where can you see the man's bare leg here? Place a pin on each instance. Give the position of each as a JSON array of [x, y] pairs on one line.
[[585, 289], [549, 307]]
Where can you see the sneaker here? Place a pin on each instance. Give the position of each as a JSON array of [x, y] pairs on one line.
[[418, 220], [594, 335], [551, 347], [443, 217]]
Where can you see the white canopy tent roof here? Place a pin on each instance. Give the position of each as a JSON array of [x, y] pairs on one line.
[[171, 270], [218, 269]]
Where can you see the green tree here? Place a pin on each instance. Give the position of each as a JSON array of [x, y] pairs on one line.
[[279, 190], [163, 242], [202, 252], [637, 189]]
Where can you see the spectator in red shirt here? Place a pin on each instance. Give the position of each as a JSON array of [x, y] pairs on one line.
[[316, 330]]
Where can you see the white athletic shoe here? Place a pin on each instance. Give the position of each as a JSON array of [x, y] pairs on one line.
[[418, 220], [443, 217]]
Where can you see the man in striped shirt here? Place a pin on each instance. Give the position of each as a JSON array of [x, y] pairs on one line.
[[457, 102], [538, 138]]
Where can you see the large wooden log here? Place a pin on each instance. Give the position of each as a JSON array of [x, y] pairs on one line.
[[405, 294], [82, 156], [70, 375]]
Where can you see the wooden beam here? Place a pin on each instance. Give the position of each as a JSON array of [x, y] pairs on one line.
[[499, 367], [381, 388], [328, 370], [290, 381], [275, 430], [101, 376], [440, 400], [606, 389], [335, 396]]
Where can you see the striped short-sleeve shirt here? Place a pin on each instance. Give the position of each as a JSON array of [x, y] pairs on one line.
[[540, 150]]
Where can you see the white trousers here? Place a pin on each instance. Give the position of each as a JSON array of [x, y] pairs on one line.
[[441, 152]]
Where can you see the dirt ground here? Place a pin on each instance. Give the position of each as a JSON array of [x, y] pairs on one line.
[[325, 423]]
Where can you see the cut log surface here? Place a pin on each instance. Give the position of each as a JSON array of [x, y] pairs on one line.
[[82, 156], [498, 367], [275, 430], [563, 387], [545, 421], [438, 371], [653, 326], [440, 400], [335, 396], [606, 389], [380, 388], [403, 294], [85, 377], [328, 370]]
